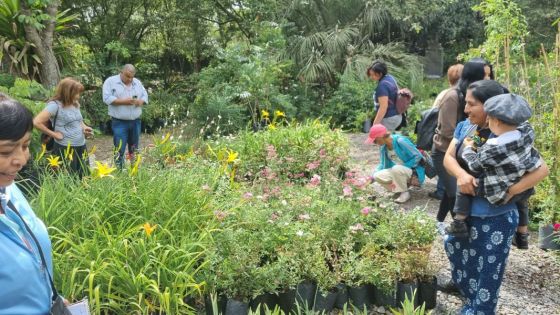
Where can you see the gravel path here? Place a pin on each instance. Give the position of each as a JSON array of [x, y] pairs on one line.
[[532, 279]]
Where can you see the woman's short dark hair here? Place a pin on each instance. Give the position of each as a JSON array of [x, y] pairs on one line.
[[379, 67], [15, 119], [485, 89], [472, 71]]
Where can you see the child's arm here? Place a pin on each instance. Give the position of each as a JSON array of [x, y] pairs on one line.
[[471, 157]]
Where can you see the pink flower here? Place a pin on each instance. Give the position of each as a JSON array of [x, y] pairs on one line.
[[220, 215], [247, 195], [271, 152], [347, 191], [313, 165], [299, 175], [289, 159], [276, 191], [556, 226], [322, 153], [274, 216], [315, 181], [365, 210], [303, 217], [349, 174]]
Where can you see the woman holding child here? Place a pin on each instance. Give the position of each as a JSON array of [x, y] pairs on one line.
[[478, 260]]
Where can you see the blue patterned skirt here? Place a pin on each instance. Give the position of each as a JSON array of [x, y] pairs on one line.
[[478, 262]]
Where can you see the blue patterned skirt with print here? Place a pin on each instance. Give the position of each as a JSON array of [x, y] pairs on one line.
[[478, 262]]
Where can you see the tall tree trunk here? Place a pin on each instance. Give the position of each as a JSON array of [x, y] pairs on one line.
[[49, 71]]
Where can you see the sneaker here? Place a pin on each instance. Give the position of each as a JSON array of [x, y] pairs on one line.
[[458, 228], [435, 195], [441, 226], [404, 197], [521, 240]]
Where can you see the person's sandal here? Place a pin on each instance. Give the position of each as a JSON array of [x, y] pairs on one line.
[[458, 228], [521, 240]]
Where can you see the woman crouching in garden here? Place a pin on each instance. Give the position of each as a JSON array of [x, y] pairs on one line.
[[399, 162], [69, 129], [478, 262]]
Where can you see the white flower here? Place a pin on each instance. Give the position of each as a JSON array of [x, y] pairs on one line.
[[459, 275], [484, 295], [284, 202], [473, 284], [450, 248], [491, 259], [465, 255], [473, 252], [474, 233], [485, 228], [457, 245], [299, 233], [488, 246], [495, 277], [497, 238]]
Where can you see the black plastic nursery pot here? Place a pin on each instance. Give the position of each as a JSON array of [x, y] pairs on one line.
[[548, 239], [359, 296], [405, 290], [221, 302], [305, 294], [236, 307], [383, 298], [268, 299], [427, 292], [287, 300], [325, 301], [341, 296]]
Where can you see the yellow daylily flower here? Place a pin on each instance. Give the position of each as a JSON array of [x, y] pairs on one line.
[[42, 153], [271, 127], [232, 156], [149, 229], [134, 169], [265, 114], [54, 161], [103, 170], [279, 114], [93, 149], [166, 138]]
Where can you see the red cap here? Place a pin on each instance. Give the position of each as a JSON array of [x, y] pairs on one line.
[[376, 131]]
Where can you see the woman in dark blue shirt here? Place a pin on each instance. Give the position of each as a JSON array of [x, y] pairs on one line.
[[385, 96]]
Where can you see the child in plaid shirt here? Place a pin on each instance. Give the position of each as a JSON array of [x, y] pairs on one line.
[[501, 161]]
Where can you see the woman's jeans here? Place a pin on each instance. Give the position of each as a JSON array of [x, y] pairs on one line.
[[448, 181], [125, 133]]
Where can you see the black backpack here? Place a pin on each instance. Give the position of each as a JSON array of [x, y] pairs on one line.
[[426, 129]]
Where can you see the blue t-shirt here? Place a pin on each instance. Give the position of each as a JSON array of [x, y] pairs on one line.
[[481, 207], [24, 284], [387, 86]]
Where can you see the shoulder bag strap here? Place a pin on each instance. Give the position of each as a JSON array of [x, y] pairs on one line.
[[44, 261], [55, 117]]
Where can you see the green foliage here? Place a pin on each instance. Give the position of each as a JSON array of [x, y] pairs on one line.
[[505, 24], [7, 80], [17, 50], [351, 103], [29, 89], [245, 81]]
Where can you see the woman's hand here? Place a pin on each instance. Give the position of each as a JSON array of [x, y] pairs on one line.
[[58, 135], [88, 131], [467, 184]]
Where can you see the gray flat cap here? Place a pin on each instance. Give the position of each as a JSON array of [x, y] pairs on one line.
[[509, 108]]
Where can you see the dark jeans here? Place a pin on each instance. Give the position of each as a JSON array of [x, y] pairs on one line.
[[125, 133], [448, 182], [463, 204], [78, 164]]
